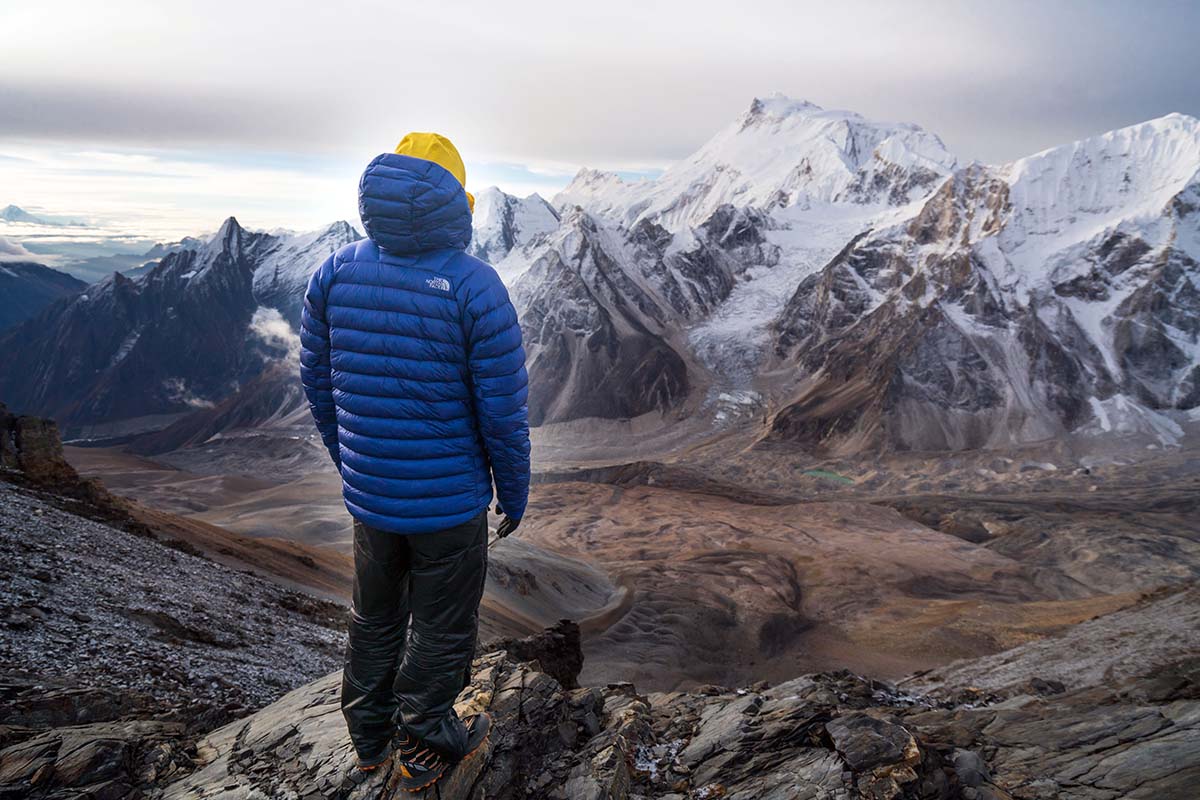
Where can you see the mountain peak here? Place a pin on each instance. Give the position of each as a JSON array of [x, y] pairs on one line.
[[778, 104], [12, 213], [229, 235], [1174, 118], [342, 228], [503, 222], [1137, 169], [781, 153]]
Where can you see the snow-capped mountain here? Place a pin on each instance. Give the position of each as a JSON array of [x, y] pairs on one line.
[[11, 213], [850, 277], [1060, 292], [503, 223], [605, 310], [16, 214], [161, 249], [286, 264], [843, 278], [780, 154], [707, 253], [186, 335]]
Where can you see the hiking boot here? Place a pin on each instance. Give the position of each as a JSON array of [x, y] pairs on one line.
[[364, 768], [478, 727], [420, 766]]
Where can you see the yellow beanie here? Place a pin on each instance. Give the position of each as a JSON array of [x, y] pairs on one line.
[[441, 151]]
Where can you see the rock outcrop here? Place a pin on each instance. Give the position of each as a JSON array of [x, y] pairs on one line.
[[31, 447], [828, 736]]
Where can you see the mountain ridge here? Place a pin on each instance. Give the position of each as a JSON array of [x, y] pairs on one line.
[[845, 279], [28, 287], [178, 338]]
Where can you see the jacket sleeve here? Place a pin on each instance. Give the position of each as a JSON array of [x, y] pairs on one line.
[[499, 385], [315, 372]]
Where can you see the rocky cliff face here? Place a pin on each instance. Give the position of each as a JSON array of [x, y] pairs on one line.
[[31, 449], [597, 333]]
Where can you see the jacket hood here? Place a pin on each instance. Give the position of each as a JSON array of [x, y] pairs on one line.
[[440, 150], [411, 205]]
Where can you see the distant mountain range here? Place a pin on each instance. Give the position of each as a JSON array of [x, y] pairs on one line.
[[11, 213], [182, 337], [849, 279], [846, 280]]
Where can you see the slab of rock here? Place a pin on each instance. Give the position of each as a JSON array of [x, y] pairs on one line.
[[105, 760], [884, 754]]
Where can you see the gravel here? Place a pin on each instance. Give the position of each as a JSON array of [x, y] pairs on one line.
[[87, 604]]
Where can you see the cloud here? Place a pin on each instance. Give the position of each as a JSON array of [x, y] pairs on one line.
[[14, 251], [614, 85], [178, 390], [153, 125], [268, 326]]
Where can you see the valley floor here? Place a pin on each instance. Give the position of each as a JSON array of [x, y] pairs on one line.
[[729, 560]]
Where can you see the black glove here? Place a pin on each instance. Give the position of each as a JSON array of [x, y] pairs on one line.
[[506, 526]]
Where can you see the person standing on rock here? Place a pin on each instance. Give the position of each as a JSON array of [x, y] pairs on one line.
[[412, 362]]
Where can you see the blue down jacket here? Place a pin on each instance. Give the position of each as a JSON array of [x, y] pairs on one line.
[[412, 362]]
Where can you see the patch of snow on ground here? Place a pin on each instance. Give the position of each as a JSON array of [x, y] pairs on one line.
[[1122, 415], [735, 403], [650, 759]]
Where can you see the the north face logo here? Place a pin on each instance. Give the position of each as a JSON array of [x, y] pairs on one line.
[[441, 284]]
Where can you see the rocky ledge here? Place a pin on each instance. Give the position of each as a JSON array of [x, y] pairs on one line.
[[819, 737]]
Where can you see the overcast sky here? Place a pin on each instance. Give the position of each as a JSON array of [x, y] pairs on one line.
[[172, 115]]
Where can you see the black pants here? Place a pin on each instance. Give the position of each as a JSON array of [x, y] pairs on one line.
[[402, 674]]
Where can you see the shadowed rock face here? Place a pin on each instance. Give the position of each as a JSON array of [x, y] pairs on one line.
[[27, 288], [32, 447], [595, 336], [269, 396], [131, 348], [170, 341]]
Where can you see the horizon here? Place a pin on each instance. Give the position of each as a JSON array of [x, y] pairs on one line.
[[113, 237]]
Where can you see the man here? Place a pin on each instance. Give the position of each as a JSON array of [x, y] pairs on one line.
[[415, 375]]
